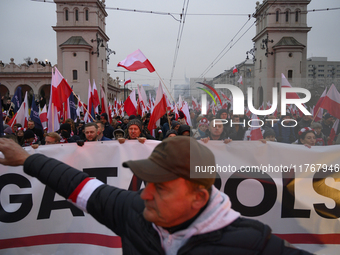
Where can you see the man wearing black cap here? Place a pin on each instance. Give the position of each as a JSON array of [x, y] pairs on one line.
[[65, 133], [176, 212], [134, 131], [108, 131]]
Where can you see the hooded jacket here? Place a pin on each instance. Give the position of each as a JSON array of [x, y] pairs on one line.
[[122, 212]]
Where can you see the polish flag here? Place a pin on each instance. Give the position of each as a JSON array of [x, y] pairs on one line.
[[53, 113], [248, 112], [95, 97], [105, 108], [331, 103], [235, 70], [130, 104], [127, 81], [240, 80], [61, 90], [285, 84], [159, 110], [333, 132], [43, 117], [317, 111], [255, 132], [136, 61], [292, 95], [88, 118], [194, 102], [21, 115]]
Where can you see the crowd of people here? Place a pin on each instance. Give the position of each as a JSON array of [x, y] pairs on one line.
[[223, 126]]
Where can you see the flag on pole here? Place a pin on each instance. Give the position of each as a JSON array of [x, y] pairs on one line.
[[72, 107], [234, 70], [333, 132], [52, 113], [61, 90], [331, 103], [127, 81], [317, 111], [22, 114], [105, 108], [136, 61], [35, 114], [95, 97], [43, 117], [17, 100], [130, 104], [240, 80], [159, 110]]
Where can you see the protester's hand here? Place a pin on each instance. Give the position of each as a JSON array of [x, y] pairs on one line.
[[14, 154], [141, 140], [205, 140], [121, 140], [226, 141], [263, 140], [35, 146]]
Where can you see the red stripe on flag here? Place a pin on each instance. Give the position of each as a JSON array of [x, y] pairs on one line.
[[70, 238], [311, 238]]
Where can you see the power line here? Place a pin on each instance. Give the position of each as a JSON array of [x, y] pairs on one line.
[[179, 38]]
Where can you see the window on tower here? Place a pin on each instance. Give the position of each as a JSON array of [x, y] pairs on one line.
[[287, 16], [290, 74], [77, 15], [75, 75], [277, 15], [87, 15], [66, 15]]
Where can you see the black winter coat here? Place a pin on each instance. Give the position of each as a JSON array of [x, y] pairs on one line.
[[121, 211]]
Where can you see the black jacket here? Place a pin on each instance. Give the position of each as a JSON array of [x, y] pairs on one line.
[[121, 211]]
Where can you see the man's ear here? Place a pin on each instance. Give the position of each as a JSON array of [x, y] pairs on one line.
[[201, 198]]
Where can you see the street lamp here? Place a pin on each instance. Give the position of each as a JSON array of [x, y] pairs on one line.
[[124, 80]]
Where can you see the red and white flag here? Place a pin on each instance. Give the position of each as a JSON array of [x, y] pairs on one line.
[[127, 81], [21, 115], [130, 104], [105, 107], [255, 132], [291, 95], [87, 117], [136, 61], [240, 80], [61, 90], [43, 117], [235, 70], [333, 132], [285, 84], [317, 111], [331, 103], [95, 97], [159, 110], [52, 113]]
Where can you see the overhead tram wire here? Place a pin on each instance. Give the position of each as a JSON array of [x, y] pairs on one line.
[[172, 14], [179, 38], [231, 41], [212, 64]]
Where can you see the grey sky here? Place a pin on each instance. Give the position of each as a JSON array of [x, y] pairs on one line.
[[26, 31]]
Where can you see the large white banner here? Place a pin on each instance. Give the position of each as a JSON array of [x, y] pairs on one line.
[[296, 192]]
